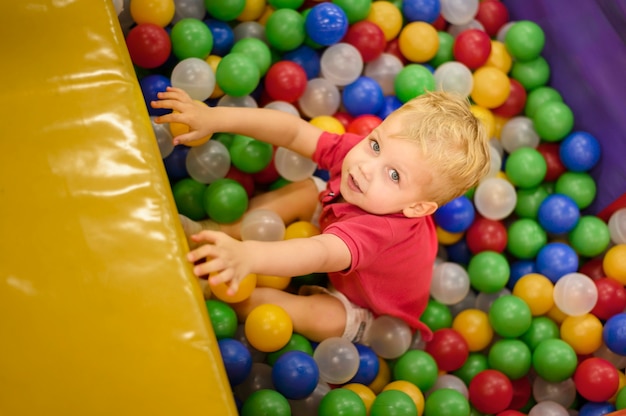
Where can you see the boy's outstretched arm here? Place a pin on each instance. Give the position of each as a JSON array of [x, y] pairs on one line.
[[230, 260], [271, 126]]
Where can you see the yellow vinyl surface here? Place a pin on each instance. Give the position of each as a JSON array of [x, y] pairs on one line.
[[99, 312]]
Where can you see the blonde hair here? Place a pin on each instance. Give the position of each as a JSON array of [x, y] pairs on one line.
[[452, 140]]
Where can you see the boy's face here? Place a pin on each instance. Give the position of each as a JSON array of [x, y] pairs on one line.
[[385, 174]]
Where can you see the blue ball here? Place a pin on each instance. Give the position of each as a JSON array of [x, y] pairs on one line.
[[519, 269], [326, 24], [596, 409], [368, 365], [176, 164], [421, 10], [459, 252], [390, 104], [363, 96], [223, 36], [307, 57], [237, 360], [555, 260], [558, 214], [579, 151], [151, 85], [456, 216], [295, 374], [614, 333]]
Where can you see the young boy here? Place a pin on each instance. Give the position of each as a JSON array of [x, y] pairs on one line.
[[378, 241]]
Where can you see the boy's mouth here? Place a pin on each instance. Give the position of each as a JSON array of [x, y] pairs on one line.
[[353, 184]]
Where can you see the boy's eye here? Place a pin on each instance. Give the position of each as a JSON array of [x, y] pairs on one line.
[[374, 145], [394, 175]]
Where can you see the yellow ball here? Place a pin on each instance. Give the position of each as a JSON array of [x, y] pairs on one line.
[[614, 263], [474, 327], [365, 393], [498, 123], [418, 42], [556, 314], [266, 15], [382, 378], [537, 291], [447, 238], [246, 286], [179, 128], [276, 282], [387, 16], [268, 328], [499, 57], [214, 61], [486, 117], [411, 390], [583, 333], [491, 87], [252, 10], [157, 12], [622, 384], [328, 123], [300, 229]]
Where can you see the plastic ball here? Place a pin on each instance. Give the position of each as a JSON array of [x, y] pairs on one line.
[[474, 327], [326, 24], [257, 50], [225, 200], [266, 402], [538, 96], [580, 186], [412, 81], [555, 260], [421, 10], [363, 96], [596, 379], [554, 360], [446, 402], [237, 74], [459, 12], [580, 151], [563, 393], [297, 342], [510, 316], [558, 214], [411, 390], [541, 327], [448, 348], [151, 85], [285, 30], [525, 167], [393, 402], [476, 362], [436, 315], [366, 394], [188, 196], [321, 98], [157, 12], [237, 360], [149, 45], [450, 283], [519, 269], [472, 48], [500, 58], [613, 333], [485, 234], [223, 318], [553, 121], [495, 198], [341, 64], [368, 365], [250, 155], [329, 123], [617, 226], [262, 225], [486, 117], [582, 332], [492, 15], [531, 74], [364, 124], [514, 103], [386, 16], [418, 42], [548, 408], [590, 237], [191, 38], [293, 166], [611, 298], [163, 136], [223, 36], [301, 229], [367, 38], [285, 81], [417, 367], [518, 132], [295, 375], [537, 291], [342, 402], [175, 164], [246, 286], [445, 52], [307, 57], [268, 327], [512, 357], [389, 337], [208, 162], [490, 391], [337, 359], [455, 216], [488, 271], [249, 30], [550, 152], [525, 40], [454, 77], [491, 87]]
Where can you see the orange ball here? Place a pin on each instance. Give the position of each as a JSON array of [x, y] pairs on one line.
[[246, 286], [268, 327], [300, 229], [499, 122], [486, 117], [365, 393], [328, 123], [474, 327], [583, 333], [448, 238], [253, 10], [499, 57], [382, 378], [157, 12], [418, 42], [614, 263], [411, 390], [491, 87], [387, 16], [276, 282], [537, 291], [556, 314], [214, 61], [179, 128]]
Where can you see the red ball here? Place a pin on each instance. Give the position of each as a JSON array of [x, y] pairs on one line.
[[522, 391], [511, 413], [593, 268], [596, 379], [285, 81], [364, 124], [148, 45], [440, 24], [393, 48], [486, 235], [555, 167], [448, 348], [611, 298], [245, 179], [472, 47], [344, 118], [493, 15], [490, 391], [515, 102], [268, 175], [368, 38]]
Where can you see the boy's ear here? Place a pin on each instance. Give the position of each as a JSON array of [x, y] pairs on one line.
[[420, 209]]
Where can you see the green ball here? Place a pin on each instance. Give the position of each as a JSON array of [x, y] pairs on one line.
[[255, 49], [541, 328], [474, 364], [355, 10], [191, 38], [590, 236], [417, 367], [446, 402], [266, 402], [554, 360], [445, 51], [250, 155], [488, 271], [225, 200], [284, 30], [285, 4], [526, 237], [525, 40], [225, 10], [297, 342], [531, 74], [539, 96], [620, 401], [223, 318], [237, 74], [341, 402], [509, 316], [525, 167], [412, 81], [512, 357], [579, 186], [553, 121], [188, 195], [436, 315], [393, 403], [529, 200]]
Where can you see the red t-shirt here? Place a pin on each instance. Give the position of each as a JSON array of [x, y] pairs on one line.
[[392, 255]]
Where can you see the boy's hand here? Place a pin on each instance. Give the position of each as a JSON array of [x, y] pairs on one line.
[[185, 111], [226, 259]]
